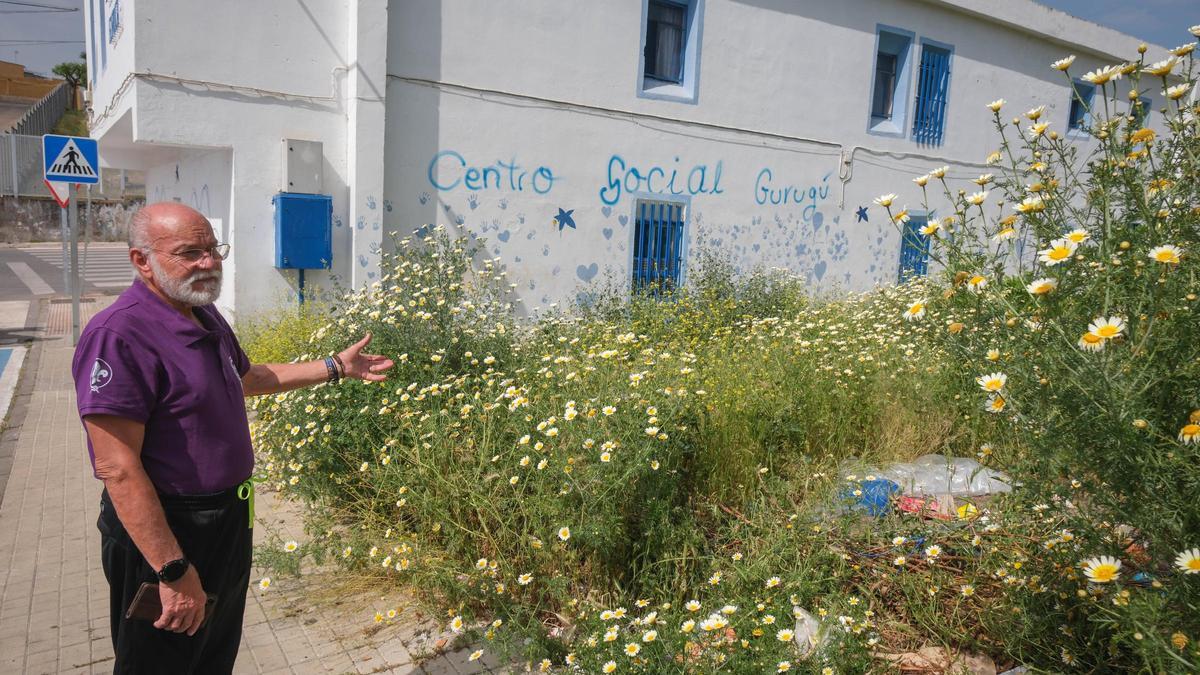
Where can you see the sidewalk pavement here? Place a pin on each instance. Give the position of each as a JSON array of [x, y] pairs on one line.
[[54, 598]]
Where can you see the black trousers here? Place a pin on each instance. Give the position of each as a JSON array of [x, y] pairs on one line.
[[213, 532]]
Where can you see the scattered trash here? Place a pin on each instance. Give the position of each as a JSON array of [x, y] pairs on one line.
[[936, 475], [807, 632], [939, 660], [927, 507], [875, 496]]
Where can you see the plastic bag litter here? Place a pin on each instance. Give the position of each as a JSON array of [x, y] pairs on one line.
[[807, 635], [935, 475]]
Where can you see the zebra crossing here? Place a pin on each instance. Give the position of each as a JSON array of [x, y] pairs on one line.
[[104, 266]]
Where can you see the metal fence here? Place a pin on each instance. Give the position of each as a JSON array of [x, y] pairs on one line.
[[44, 114], [21, 172]]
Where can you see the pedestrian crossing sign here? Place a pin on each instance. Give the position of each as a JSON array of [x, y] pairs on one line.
[[71, 159]]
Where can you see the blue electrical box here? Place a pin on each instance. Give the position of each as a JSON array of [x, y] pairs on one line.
[[303, 231]]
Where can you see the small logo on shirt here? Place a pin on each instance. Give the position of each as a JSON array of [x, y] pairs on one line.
[[101, 374]]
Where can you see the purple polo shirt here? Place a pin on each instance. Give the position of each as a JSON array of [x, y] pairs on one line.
[[141, 359]]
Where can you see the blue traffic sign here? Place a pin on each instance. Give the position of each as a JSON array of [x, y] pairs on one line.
[[71, 159]]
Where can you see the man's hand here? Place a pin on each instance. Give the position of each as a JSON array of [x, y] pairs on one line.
[[183, 604], [364, 366]]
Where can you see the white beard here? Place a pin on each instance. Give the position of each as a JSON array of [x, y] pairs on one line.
[[181, 290]]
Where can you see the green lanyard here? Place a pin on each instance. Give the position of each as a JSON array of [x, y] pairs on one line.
[[245, 492]]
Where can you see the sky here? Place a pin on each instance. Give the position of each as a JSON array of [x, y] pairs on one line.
[[1161, 22]]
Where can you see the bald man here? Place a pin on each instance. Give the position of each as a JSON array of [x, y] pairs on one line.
[[160, 381]]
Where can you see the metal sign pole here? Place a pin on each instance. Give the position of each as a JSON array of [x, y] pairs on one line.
[[64, 234], [76, 282]]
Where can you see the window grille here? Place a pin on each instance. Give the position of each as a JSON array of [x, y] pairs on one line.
[[914, 250], [933, 86], [657, 246]]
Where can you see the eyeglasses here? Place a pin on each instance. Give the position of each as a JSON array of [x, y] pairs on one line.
[[195, 255]]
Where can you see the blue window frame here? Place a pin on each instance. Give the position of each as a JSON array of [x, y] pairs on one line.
[[91, 57], [658, 246], [914, 249], [103, 23], [933, 92], [114, 21], [890, 77], [1079, 118], [1141, 112], [670, 60]]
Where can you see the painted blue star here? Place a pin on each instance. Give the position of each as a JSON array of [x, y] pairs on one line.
[[564, 219], [862, 214]]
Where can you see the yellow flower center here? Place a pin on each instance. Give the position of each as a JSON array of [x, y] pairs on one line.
[[1060, 253], [1104, 573], [1107, 332], [1166, 256], [1193, 564], [1190, 430], [1091, 339]]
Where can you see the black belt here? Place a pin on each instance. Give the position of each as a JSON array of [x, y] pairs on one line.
[[200, 502]]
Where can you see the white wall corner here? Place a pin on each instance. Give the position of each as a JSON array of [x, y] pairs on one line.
[[366, 108]]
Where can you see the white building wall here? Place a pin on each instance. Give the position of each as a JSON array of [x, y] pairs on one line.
[[783, 105], [773, 157]]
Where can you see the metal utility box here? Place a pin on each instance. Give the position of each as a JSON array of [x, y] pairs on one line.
[[303, 165], [303, 231]]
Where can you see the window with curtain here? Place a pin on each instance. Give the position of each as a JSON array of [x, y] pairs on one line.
[[666, 37], [885, 85]]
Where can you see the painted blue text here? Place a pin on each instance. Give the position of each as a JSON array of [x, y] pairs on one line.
[[449, 169], [658, 180], [766, 191]]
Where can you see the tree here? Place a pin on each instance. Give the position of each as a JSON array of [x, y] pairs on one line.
[[74, 73]]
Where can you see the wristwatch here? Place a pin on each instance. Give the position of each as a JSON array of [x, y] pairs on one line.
[[173, 570]]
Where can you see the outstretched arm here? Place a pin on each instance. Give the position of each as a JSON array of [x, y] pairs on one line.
[[272, 378]]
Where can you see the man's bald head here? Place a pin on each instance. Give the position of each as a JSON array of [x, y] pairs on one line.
[[175, 251], [154, 221]]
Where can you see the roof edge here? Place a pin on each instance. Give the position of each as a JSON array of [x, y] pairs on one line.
[[1034, 18]]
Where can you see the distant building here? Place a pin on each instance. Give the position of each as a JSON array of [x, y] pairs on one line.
[[17, 82], [583, 140]]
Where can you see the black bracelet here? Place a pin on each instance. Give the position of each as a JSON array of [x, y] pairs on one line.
[[332, 370], [341, 366]]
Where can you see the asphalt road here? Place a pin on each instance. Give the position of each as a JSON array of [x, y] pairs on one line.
[[27, 272]]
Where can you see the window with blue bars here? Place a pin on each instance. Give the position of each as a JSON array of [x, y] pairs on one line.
[[114, 22], [1080, 117], [658, 246], [933, 89], [914, 249]]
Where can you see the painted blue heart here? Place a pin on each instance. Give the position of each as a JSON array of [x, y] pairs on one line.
[[606, 210], [503, 236], [623, 220], [819, 270], [608, 232], [587, 273]]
